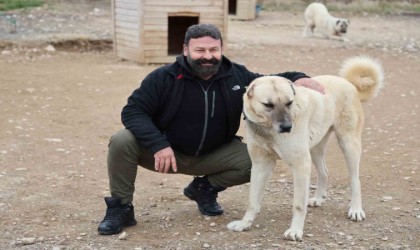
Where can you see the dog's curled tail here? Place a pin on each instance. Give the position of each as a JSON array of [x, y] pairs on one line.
[[365, 74]]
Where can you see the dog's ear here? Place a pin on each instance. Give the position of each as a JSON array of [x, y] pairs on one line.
[[250, 92], [338, 21]]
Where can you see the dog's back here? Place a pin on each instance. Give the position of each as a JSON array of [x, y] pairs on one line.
[[315, 9]]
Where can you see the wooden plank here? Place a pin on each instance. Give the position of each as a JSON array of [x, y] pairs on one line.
[[219, 19], [132, 19], [123, 48], [180, 3], [128, 1], [155, 53], [127, 43], [188, 8], [162, 14], [156, 40], [156, 21], [119, 11], [126, 25], [183, 13], [156, 34], [155, 47], [127, 32], [127, 37], [132, 32], [127, 5], [155, 28]]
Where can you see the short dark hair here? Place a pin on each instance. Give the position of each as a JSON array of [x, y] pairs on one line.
[[202, 30]]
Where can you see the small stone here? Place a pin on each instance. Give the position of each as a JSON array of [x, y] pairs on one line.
[[122, 236], [50, 48], [27, 241], [386, 198], [6, 52]]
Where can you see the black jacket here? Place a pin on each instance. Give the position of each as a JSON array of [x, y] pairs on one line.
[[151, 108]]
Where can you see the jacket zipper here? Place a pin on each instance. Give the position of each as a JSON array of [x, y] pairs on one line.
[[213, 104], [206, 118]]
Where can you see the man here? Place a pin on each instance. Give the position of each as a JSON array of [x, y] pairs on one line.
[[183, 119]]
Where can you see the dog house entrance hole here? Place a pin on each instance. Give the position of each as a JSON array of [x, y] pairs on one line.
[[177, 26], [232, 7]]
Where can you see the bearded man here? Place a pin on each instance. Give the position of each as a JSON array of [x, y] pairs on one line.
[[183, 119]]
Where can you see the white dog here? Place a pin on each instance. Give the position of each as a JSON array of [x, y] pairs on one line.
[[317, 16], [294, 123]]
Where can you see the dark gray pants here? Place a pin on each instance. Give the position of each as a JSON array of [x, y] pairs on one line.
[[226, 166]]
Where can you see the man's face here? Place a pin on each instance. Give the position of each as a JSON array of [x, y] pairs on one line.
[[204, 55]]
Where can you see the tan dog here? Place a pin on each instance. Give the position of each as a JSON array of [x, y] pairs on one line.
[[294, 123], [317, 16]]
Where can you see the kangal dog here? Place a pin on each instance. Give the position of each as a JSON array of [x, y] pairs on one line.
[[317, 16], [294, 123]]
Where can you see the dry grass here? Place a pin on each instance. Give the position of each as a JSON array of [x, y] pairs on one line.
[[356, 7]]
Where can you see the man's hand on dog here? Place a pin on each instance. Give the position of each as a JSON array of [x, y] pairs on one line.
[[310, 83]]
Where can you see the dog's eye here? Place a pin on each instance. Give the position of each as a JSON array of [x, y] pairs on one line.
[[268, 105], [289, 104]]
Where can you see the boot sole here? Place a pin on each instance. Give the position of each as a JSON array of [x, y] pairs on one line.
[[191, 197], [119, 230]]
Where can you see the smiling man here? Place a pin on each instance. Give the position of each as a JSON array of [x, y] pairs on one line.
[[183, 119]]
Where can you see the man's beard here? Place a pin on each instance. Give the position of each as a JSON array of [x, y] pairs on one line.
[[204, 71]]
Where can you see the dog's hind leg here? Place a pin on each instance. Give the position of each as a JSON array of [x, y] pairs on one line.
[[309, 29], [261, 170], [318, 159], [350, 144]]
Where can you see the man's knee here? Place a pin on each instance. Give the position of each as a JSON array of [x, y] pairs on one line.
[[122, 140], [244, 175]]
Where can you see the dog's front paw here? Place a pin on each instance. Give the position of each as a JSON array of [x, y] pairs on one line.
[[239, 226], [294, 234], [316, 202], [356, 214]]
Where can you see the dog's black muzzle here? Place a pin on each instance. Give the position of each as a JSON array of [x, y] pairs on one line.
[[285, 128]]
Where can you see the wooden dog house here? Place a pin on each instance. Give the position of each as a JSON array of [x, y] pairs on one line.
[[152, 31], [242, 9]]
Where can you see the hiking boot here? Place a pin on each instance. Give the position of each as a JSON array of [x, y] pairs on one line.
[[117, 216], [201, 191]]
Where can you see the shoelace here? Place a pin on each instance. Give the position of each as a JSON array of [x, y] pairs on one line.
[[113, 214]]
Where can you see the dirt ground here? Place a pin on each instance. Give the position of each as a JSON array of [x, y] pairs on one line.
[[59, 108]]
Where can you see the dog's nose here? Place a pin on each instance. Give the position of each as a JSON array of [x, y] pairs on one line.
[[285, 128]]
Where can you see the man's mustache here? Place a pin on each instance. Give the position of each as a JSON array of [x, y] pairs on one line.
[[205, 61]]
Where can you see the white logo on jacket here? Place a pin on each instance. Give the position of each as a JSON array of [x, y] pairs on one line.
[[236, 87]]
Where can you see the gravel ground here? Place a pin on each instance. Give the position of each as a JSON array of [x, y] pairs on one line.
[[61, 93]]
